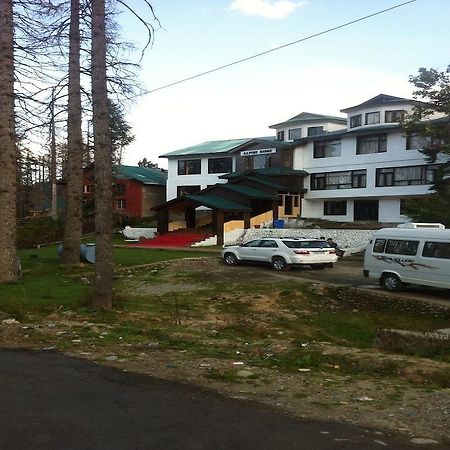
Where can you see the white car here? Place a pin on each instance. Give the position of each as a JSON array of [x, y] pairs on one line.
[[282, 252]]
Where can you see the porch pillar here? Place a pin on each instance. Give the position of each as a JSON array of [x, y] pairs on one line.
[[163, 221], [275, 209], [220, 219], [246, 220]]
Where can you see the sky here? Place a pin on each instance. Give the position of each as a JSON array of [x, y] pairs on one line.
[[321, 75]]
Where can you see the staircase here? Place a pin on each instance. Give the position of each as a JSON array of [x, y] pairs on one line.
[[178, 238]]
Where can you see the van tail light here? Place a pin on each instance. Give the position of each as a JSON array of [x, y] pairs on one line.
[[332, 252], [301, 252]]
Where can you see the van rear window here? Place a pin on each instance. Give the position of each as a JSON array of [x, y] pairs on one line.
[[401, 247], [436, 250]]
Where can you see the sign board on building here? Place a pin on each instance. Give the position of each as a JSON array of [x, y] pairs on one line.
[[261, 151]]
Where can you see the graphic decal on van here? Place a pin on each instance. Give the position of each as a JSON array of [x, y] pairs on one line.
[[404, 262]]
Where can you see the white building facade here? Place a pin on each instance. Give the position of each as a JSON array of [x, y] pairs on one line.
[[360, 167]]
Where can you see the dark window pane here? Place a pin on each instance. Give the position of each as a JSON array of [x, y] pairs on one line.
[[401, 247], [436, 250], [394, 116], [295, 134], [335, 208], [314, 131], [189, 167], [220, 165], [355, 121], [378, 246], [372, 118], [280, 136]]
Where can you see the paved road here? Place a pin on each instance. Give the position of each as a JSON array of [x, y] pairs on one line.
[[53, 402]]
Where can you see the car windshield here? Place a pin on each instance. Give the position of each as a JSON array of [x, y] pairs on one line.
[[306, 244]]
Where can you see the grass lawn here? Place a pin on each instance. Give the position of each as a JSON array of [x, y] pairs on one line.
[[46, 284]]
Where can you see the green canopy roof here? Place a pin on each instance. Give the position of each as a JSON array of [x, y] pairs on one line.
[[216, 202], [246, 190]]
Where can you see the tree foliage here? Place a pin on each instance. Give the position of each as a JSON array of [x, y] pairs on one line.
[[433, 91]]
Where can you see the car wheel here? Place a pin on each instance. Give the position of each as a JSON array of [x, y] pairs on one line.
[[230, 259], [317, 266], [391, 282], [279, 263]]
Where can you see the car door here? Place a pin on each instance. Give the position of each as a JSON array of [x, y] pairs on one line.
[[267, 248], [249, 250]]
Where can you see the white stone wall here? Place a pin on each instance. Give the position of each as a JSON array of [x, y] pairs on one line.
[[352, 241]]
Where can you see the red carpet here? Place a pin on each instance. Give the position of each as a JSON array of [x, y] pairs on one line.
[[173, 239]]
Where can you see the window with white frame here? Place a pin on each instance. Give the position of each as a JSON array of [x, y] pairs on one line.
[[372, 118], [394, 116], [371, 144], [327, 149]]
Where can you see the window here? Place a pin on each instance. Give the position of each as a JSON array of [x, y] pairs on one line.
[[436, 250], [355, 121], [372, 118], [268, 244], [394, 116], [401, 247], [406, 176], [378, 246], [295, 134], [327, 149], [314, 131], [121, 204], [254, 243], [337, 208], [371, 144], [261, 161], [280, 136], [359, 178], [186, 190], [417, 141], [338, 180], [220, 165], [189, 167]]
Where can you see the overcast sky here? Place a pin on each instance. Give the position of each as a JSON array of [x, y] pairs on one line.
[[321, 75]]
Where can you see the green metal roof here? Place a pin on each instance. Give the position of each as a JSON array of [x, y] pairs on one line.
[[208, 147], [144, 175], [213, 201], [224, 146], [246, 190]]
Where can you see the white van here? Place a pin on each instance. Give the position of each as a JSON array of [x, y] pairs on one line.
[[411, 253]]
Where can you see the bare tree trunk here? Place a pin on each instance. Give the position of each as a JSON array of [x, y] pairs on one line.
[[102, 160], [8, 170], [74, 203], [54, 192]]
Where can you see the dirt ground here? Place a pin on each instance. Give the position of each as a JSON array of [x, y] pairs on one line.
[[402, 403]]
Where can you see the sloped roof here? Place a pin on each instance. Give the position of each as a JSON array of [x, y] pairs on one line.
[[381, 100], [144, 175], [310, 117], [216, 202], [223, 146], [246, 190]]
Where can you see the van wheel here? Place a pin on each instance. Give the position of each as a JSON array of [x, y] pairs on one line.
[[391, 282]]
